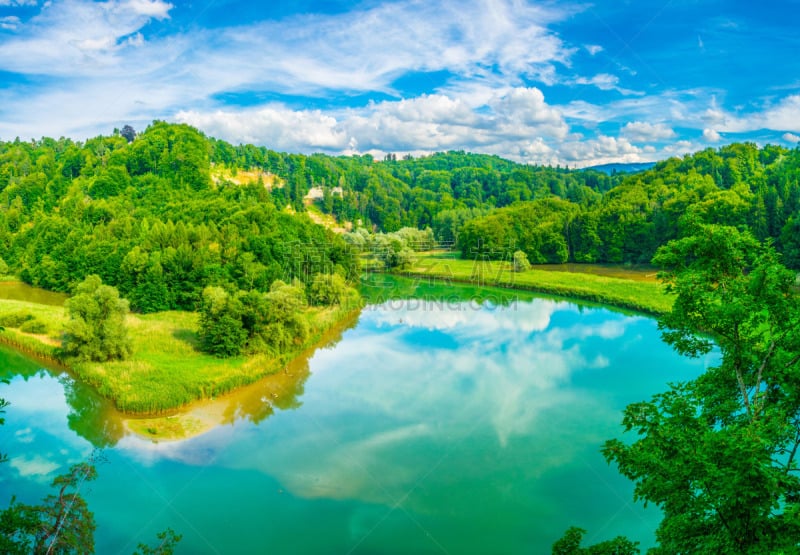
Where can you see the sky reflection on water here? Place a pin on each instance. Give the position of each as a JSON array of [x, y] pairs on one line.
[[461, 426]]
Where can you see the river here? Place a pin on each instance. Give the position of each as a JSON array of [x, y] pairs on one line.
[[434, 424]]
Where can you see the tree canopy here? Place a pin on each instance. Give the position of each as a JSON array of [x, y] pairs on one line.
[[96, 330], [718, 454], [150, 219]]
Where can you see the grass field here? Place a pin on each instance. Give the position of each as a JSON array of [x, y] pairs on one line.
[[167, 370], [625, 288]]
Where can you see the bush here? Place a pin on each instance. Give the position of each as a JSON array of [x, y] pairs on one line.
[[34, 326], [521, 263], [15, 319], [221, 331], [327, 289]]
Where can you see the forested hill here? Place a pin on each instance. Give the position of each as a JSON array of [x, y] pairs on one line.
[[738, 185], [148, 218], [622, 217], [166, 212], [410, 192]]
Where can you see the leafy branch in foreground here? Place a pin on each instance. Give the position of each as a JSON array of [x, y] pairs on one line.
[[167, 540], [63, 522], [718, 454]]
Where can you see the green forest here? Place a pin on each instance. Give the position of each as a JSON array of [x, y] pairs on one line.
[[150, 215], [147, 218], [175, 220], [489, 206]]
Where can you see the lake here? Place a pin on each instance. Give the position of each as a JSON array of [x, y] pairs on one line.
[[434, 424]]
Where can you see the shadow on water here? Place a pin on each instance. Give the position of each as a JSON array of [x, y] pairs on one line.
[[90, 416], [282, 390]]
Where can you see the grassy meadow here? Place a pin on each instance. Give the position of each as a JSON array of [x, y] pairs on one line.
[[166, 370], [633, 289]]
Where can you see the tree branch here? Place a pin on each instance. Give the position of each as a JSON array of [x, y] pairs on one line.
[[761, 370]]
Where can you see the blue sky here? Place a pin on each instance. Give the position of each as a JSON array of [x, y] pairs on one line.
[[570, 83]]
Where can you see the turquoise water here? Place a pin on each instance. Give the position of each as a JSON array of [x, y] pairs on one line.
[[452, 427]]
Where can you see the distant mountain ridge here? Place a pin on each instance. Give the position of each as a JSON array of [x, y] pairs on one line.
[[630, 167]]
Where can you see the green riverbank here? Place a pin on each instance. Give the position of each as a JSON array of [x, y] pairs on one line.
[[630, 289], [167, 371]]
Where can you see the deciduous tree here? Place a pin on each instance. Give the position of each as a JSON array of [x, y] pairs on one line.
[[718, 454], [128, 132], [221, 329], [96, 330]]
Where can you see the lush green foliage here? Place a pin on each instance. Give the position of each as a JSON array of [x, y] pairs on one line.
[[272, 322], [718, 454], [738, 185], [537, 228], [412, 192], [96, 329], [147, 217], [613, 219], [495, 207], [393, 250], [331, 289], [154, 218], [221, 329]]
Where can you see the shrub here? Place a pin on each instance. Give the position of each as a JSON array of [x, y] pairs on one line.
[[15, 319], [34, 326], [521, 263]]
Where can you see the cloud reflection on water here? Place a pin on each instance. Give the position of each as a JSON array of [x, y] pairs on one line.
[[37, 419], [379, 411], [510, 374]]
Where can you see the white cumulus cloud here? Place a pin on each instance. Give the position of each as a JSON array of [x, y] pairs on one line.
[[517, 123], [641, 131], [9, 22]]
